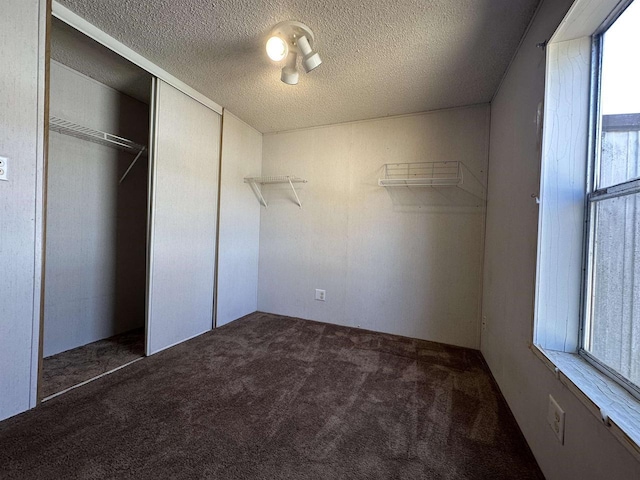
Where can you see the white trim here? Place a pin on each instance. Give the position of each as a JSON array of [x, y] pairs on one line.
[[584, 18], [151, 182], [90, 30], [38, 265], [565, 147]]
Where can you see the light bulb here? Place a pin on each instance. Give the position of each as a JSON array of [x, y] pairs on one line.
[[276, 49]]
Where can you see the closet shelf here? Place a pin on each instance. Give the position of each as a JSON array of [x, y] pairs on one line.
[[269, 180], [85, 133], [431, 174], [66, 127]]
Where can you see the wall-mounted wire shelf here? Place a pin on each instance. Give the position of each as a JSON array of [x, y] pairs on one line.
[[431, 174], [256, 181], [85, 133], [72, 129]]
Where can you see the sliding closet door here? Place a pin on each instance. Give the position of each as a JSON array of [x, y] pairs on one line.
[[182, 234]]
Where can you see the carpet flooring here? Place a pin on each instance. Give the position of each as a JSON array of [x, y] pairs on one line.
[[271, 397], [78, 365]]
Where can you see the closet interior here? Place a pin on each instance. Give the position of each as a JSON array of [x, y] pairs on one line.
[[96, 212]]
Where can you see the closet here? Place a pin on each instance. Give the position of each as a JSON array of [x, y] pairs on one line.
[[131, 209], [96, 212]]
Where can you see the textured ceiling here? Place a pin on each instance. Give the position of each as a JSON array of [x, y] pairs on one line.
[[79, 52], [380, 57]]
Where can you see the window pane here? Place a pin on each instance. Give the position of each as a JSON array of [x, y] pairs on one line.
[[615, 308], [620, 100]]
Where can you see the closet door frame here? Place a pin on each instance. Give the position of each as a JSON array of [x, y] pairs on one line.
[[151, 176]]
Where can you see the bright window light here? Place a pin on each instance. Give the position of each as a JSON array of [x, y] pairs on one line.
[[620, 68]]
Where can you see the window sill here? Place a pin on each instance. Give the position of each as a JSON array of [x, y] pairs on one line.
[[618, 410]]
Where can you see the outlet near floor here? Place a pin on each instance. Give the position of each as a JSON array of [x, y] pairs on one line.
[[320, 294]]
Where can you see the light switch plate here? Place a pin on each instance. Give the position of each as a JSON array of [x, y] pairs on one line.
[[3, 168]]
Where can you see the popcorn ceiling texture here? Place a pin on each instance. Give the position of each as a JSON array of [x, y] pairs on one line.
[[380, 57]]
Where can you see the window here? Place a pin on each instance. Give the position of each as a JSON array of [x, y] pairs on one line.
[[587, 301], [611, 325]]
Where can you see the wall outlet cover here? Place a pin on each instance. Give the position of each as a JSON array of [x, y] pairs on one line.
[[3, 168], [320, 295], [555, 418]]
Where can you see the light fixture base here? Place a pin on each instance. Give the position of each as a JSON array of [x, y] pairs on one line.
[[291, 30]]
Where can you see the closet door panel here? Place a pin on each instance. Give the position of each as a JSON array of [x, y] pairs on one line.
[[182, 235]]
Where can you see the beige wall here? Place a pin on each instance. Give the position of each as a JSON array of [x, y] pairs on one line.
[[402, 261], [589, 451], [21, 123]]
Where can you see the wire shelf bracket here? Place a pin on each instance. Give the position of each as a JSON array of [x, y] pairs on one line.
[[67, 127], [257, 182]]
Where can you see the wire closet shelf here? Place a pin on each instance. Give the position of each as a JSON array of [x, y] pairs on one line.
[[431, 174], [72, 129], [85, 133]]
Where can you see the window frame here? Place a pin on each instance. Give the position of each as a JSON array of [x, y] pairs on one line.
[[594, 194]]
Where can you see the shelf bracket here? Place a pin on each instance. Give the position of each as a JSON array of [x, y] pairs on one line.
[[255, 181], [295, 193], [132, 164], [258, 192]]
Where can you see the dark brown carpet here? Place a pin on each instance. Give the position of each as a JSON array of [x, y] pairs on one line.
[[270, 397], [75, 366]]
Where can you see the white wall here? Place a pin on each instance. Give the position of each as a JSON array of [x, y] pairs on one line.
[[21, 123], [239, 227], [95, 275], [590, 451], [395, 261]]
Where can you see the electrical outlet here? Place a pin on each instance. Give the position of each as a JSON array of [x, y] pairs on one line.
[[3, 168], [484, 322], [320, 294], [555, 418]]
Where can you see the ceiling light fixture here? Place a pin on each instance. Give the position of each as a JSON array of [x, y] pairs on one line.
[[287, 40]]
